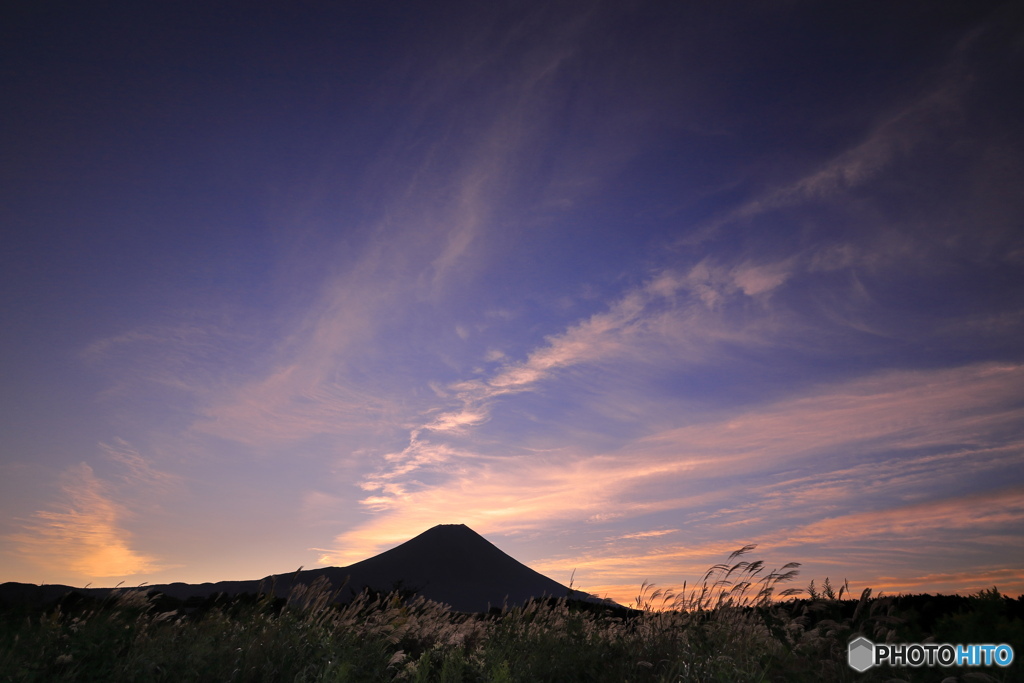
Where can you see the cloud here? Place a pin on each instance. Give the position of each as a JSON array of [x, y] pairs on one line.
[[634, 326], [897, 135], [311, 382], [753, 279], [869, 547], [919, 525], [457, 422], [648, 534], [589, 340], [136, 470], [296, 402], [599, 337], [1007, 579], [675, 319], [906, 409], [193, 354], [931, 111], [714, 283], [833, 454], [442, 187], [83, 534], [490, 495]]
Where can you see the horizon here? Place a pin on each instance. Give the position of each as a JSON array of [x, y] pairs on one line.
[[622, 289], [782, 590]]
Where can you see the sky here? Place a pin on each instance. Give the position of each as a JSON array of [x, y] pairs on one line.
[[623, 287]]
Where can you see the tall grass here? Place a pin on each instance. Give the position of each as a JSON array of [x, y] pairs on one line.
[[729, 626]]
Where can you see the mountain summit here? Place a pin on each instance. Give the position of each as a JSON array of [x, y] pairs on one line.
[[449, 563], [453, 564]]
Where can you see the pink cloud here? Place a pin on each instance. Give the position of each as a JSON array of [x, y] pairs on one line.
[[886, 418], [82, 535]]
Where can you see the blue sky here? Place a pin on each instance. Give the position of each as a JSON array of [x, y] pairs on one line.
[[623, 287]]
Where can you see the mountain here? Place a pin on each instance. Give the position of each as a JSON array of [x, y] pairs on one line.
[[449, 563], [453, 564]]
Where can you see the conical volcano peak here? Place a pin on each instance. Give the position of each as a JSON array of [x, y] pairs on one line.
[[448, 534], [451, 528], [450, 531], [447, 543], [453, 564]]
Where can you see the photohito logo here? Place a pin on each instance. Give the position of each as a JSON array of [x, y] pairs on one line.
[[863, 654]]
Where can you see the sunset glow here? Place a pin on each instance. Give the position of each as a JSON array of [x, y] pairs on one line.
[[623, 287]]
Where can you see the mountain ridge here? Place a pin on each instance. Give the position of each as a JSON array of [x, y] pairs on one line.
[[448, 563]]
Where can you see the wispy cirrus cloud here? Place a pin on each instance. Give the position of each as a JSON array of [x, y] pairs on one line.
[[671, 309], [877, 549], [682, 316], [908, 431], [137, 471], [83, 532], [920, 525], [443, 194], [908, 125], [913, 409], [648, 534], [194, 354]]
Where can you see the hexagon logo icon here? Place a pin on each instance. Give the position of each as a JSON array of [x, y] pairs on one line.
[[861, 654]]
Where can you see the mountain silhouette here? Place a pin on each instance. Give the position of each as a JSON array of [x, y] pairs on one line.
[[453, 564], [449, 563]]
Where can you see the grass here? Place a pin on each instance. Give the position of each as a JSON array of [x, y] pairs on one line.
[[733, 625]]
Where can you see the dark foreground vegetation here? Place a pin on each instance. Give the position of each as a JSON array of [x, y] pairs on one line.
[[731, 627]]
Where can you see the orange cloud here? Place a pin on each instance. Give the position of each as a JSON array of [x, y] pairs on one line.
[[904, 409], [83, 537], [900, 419], [919, 523], [1008, 580]]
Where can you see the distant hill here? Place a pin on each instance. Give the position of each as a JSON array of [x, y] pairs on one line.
[[449, 563]]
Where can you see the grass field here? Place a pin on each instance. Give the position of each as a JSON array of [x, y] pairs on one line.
[[733, 625]]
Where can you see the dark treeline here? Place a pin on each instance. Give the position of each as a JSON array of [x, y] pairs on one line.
[[987, 616]]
